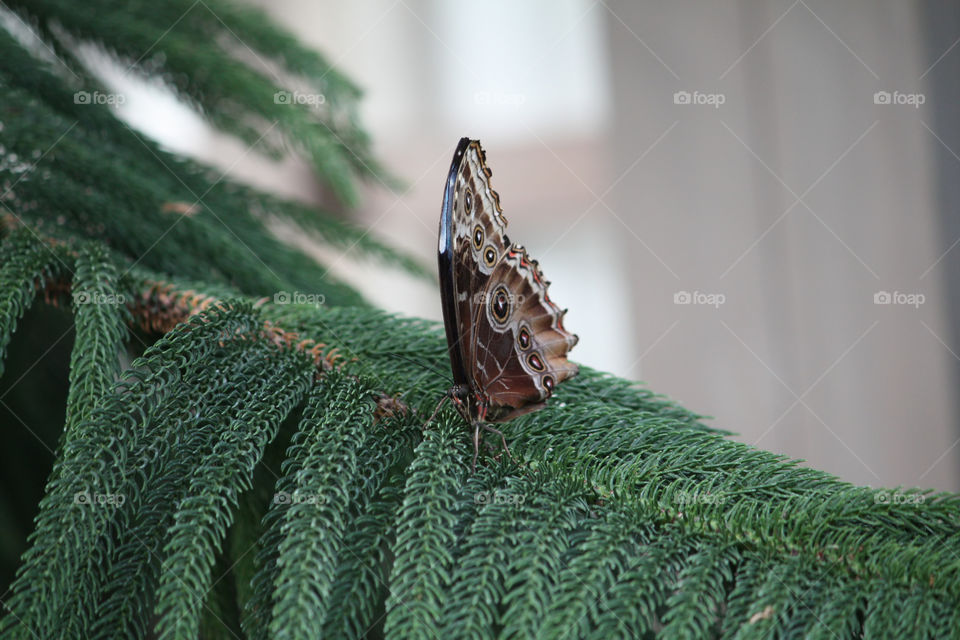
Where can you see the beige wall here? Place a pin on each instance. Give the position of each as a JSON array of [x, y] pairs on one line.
[[798, 199]]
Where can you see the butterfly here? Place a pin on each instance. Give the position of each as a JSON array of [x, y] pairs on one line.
[[505, 337]]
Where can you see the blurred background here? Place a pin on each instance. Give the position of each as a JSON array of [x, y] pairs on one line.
[[750, 206]]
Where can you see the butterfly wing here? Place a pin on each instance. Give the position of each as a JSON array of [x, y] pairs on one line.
[[505, 337], [521, 343], [472, 238]]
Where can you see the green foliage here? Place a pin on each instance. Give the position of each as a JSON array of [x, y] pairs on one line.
[[695, 607], [25, 264], [102, 181], [196, 49], [220, 472], [101, 319], [625, 516], [425, 538], [203, 515]]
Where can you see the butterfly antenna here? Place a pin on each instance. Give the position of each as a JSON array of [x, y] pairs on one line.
[[433, 415], [419, 364], [428, 368]]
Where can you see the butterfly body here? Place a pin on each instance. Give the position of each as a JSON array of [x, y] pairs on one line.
[[505, 337]]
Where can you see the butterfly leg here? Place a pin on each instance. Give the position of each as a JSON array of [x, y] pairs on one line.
[[437, 410], [503, 440], [476, 446]]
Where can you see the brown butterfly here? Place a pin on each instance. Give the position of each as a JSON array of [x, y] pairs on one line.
[[508, 348]]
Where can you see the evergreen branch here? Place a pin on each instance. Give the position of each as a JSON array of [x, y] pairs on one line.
[[360, 582], [202, 517], [328, 439], [64, 551], [414, 350], [97, 186], [634, 604], [693, 611], [179, 37], [536, 552], [601, 552], [748, 577], [776, 600], [344, 236], [26, 265], [838, 612], [210, 397], [162, 305], [363, 572], [320, 492], [260, 606], [735, 483], [483, 559], [421, 570], [101, 167], [639, 454], [100, 327]]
